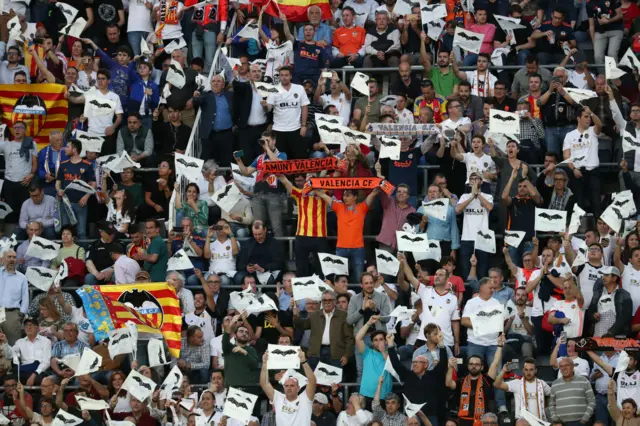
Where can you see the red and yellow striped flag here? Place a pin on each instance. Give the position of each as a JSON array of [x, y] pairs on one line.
[[42, 107], [154, 308], [295, 10]]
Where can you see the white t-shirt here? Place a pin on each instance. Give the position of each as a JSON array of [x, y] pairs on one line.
[[87, 81], [414, 333], [84, 326], [204, 321], [216, 349], [222, 259], [473, 306], [171, 31], [404, 117], [139, 16], [580, 366], [453, 125], [631, 283], [627, 386], [296, 412], [478, 164], [116, 218], [587, 277], [287, 108], [342, 105], [572, 311], [277, 57], [477, 81], [98, 124], [579, 80], [516, 326], [583, 148], [439, 309], [475, 216], [38, 419], [17, 167], [531, 389]]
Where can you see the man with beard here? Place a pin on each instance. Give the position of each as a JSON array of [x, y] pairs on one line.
[[204, 309], [11, 66], [524, 388], [626, 381], [474, 391], [241, 359], [291, 408], [472, 105], [482, 80], [372, 102], [520, 84], [519, 328], [445, 81]]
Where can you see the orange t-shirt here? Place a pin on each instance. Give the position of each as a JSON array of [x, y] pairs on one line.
[[349, 40], [350, 224]]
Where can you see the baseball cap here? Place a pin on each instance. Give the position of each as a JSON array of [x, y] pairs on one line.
[[611, 270], [321, 398], [107, 227]]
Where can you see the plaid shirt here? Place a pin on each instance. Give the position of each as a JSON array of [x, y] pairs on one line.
[[197, 357], [532, 130], [397, 419], [62, 348]]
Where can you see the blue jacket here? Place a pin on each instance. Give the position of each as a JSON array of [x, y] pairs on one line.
[[52, 165], [207, 103], [120, 77], [136, 93]]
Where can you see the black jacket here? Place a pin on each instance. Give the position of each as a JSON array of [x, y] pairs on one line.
[[624, 310], [207, 104], [267, 254], [242, 99]]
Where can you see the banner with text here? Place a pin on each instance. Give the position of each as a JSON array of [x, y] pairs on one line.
[[289, 167], [348, 183], [396, 129]]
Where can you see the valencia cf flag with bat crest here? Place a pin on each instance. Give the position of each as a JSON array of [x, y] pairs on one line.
[[295, 10], [42, 107], [154, 308]]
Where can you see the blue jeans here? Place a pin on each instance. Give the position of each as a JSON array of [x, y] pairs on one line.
[[516, 252], [359, 361], [554, 137], [470, 60], [325, 356], [487, 353], [134, 38], [81, 216], [204, 46], [521, 57], [240, 231], [356, 262], [466, 250], [602, 412]]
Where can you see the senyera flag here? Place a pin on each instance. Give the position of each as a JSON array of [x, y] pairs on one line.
[[42, 107], [295, 10], [154, 308]]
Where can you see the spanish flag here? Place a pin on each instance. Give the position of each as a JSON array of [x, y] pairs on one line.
[[154, 308], [42, 107], [295, 10]]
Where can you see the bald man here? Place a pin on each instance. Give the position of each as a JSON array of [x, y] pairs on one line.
[[14, 296]]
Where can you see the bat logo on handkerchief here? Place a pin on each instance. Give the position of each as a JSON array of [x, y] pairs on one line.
[[120, 339], [501, 118], [4, 207], [489, 314], [617, 212], [64, 420], [435, 203], [384, 143], [435, 24], [632, 62], [65, 11], [267, 89], [44, 246], [506, 234], [468, 37], [98, 104], [575, 160], [485, 236], [237, 403], [631, 141], [82, 184], [109, 159], [354, 136], [306, 284], [433, 246], [334, 121], [141, 383], [178, 255], [185, 163], [548, 216], [224, 193], [253, 26], [327, 372], [429, 8], [413, 240], [336, 261], [330, 130], [284, 353], [94, 364], [89, 138], [176, 69], [42, 274], [160, 356], [385, 258], [621, 203]]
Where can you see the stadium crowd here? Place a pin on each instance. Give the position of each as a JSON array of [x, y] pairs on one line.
[[147, 65]]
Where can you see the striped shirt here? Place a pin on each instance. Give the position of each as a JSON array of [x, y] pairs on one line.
[[572, 401], [533, 102], [312, 215]]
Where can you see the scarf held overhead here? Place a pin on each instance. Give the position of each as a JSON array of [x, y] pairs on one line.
[[348, 183], [289, 167]]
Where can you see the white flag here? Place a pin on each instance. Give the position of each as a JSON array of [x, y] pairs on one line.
[[611, 70], [89, 404], [293, 374], [579, 95], [434, 252], [42, 248], [239, 405], [175, 75], [138, 385], [62, 418], [402, 313], [97, 105], [240, 299], [189, 167], [179, 262], [68, 11], [82, 186], [175, 45], [90, 362], [437, 208], [507, 23], [3, 314], [5, 209], [360, 83], [435, 28], [411, 409], [120, 342], [550, 220], [41, 278], [630, 60], [432, 12], [327, 375], [468, 40], [305, 288], [613, 216], [386, 263], [576, 219], [265, 89], [488, 321], [171, 383], [514, 238], [261, 304], [332, 264], [145, 50], [251, 30], [157, 355], [283, 357], [75, 28], [408, 241], [623, 362], [390, 148], [504, 122]]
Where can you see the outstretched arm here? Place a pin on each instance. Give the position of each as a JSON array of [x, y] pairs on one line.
[[268, 389]]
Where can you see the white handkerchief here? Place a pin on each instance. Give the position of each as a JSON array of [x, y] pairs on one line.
[[90, 362], [89, 404], [171, 383], [63, 418], [166, 92], [437, 208], [68, 11], [179, 262], [157, 355], [387, 263], [613, 216], [82, 186], [402, 313], [327, 375], [331, 133], [239, 405], [76, 28], [14, 28], [408, 241], [120, 342], [486, 241], [305, 288], [488, 321], [42, 248], [411, 409], [360, 83], [532, 419], [468, 40], [579, 95], [630, 60], [514, 238], [581, 255], [175, 74], [266, 89], [240, 299], [550, 220], [291, 373], [435, 28], [353, 136], [251, 30], [623, 362], [432, 12], [629, 141], [390, 148], [611, 70], [125, 162], [89, 141], [138, 385], [41, 278], [227, 197], [283, 357], [390, 100], [496, 55], [389, 368], [169, 48], [261, 304], [507, 23], [504, 122], [145, 50], [576, 219], [189, 167], [332, 264], [5, 209]]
